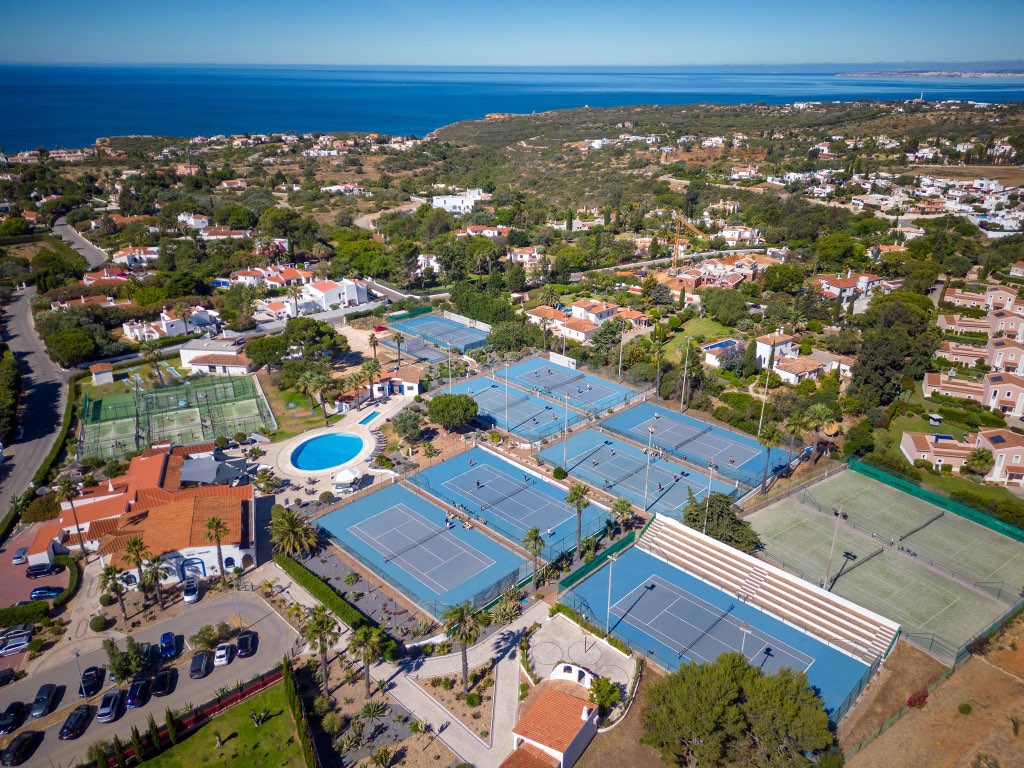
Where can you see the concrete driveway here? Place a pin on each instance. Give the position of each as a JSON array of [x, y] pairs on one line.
[[276, 639]]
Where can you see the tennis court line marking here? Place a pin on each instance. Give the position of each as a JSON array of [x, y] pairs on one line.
[[595, 383], [412, 516], [495, 474], [682, 595], [657, 471], [711, 441]]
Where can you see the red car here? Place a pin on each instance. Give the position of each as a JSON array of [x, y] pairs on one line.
[[379, 329]]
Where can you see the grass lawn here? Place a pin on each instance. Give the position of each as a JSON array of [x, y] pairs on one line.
[[272, 745], [903, 424], [706, 327], [287, 426]]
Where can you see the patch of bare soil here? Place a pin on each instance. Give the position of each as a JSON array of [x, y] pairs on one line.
[[974, 718], [474, 709], [621, 745], [906, 670]]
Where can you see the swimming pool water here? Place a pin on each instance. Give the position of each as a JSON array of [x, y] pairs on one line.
[[326, 451], [370, 418]]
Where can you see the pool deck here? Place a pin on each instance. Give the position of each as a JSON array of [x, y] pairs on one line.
[[279, 454]]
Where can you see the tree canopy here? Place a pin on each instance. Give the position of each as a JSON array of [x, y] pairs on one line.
[[452, 411], [722, 522]]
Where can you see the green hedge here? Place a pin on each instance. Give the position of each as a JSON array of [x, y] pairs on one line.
[[330, 597], [8, 522], [43, 473], [32, 613], [613, 641], [75, 578]]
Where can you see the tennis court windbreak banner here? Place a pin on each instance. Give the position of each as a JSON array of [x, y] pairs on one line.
[[974, 515]]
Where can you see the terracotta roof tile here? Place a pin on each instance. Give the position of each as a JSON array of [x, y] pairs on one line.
[[554, 719], [528, 756]]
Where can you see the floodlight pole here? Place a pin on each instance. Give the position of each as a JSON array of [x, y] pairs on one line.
[[565, 427], [449, 369], [744, 628], [505, 355], [79, 665], [831, 551], [707, 499], [608, 615], [686, 370], [647, 474], [622, 339]]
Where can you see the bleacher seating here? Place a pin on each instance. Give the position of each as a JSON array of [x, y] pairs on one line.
[[821, 614]]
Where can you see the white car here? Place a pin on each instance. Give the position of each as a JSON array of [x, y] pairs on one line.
[[222, 656], [191, 589]]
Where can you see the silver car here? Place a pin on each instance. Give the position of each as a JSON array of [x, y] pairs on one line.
[[110, 706]]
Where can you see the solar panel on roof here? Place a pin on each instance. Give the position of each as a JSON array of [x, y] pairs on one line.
[[997, 439]]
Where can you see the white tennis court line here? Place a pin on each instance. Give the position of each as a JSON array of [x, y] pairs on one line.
[[767, 640], [417, 520], [596, 386], [741, 453], [494, 474], [660, 474]]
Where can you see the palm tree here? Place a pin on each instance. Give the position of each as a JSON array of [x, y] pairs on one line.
[[68, 491], [293, 291], [398, 338], [549, 295], [320, 384], [183, 311], [769, 438], [152, 572], [306, 384], [367, 643], [579, 498], [544, 323], [215, 532], [150, 352], [370, 370], [621, 510], [135, 554], [291, 534], [110, 582], [322, 633], [817, 416], [534, 544], [462, 625], [374, 342]]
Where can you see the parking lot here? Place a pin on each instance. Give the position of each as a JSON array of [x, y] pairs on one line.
[[276, 639]]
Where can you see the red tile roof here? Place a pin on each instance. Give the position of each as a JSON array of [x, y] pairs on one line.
[[554, 719]]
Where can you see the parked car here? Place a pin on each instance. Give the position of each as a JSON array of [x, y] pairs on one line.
[[17, 631], [15, 645], [20, 556], [110, 706], [76, 723], [89, 685], [7, 675], [138, 694], [191, 589], [163, 683], [45, 593], [12, 717], [223, 655], [18, 751], [39, 570], [248, 641], [146, 653], [201, 664], [168, 646], [43, 702]]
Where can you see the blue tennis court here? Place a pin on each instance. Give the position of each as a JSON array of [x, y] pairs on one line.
[[442, 331], [408, 541], [419, 351], [586, 391], [532, 418], [620, 468], [509, 498], [696, 442], [673, 617]]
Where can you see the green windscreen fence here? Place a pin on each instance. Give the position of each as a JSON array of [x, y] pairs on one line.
[[588, 568], [875, 473], [399, 316]]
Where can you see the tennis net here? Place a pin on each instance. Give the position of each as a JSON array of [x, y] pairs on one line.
[[691, 438], [417, 543], [518, 489]]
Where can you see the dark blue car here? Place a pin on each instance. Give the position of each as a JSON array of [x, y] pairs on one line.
[[168, 646], [45, 593]]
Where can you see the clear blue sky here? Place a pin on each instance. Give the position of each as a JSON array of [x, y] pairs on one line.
[[510, 33]]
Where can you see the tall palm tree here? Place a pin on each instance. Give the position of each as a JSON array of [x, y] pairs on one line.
[[544, 324], [367, 643], [769, 438], [68, 491], [320, 384], [579, 499], [322, 633], [370, 370], [183, 311], [293, 292], [549, 295], [816, 417], [110, 582], [534, 544], [462, 625], [398, 338], [150, 352], [622, 510], [374, 342], [135, 554], [215, 532], [306, 384], [152, 572], [291, 534]]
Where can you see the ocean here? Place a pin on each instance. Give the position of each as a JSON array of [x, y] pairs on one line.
[[72, 106]]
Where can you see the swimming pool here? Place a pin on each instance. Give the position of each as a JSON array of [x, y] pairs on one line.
[[326, 451], [370, 418]]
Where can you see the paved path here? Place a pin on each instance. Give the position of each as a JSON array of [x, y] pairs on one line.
[[43, 384], [93, 254]]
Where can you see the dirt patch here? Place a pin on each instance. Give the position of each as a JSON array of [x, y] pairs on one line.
[[26, 251], [906, 670], [621, 745], [448, 691]]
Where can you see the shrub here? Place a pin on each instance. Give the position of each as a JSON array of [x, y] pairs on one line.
[[417, 399], [33, 613], [107, 600], [43, 473], [896, 465], [35, 645], [923, 464], [98, 623], [326, 497], [447, 683], [240, 437], [41, 508], [221, 442], [473, 699], [946, 469], [918, 699], [74, 580], [559, 473], [965, 708]]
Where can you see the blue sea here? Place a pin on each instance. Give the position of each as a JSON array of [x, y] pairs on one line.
[[72, 106]]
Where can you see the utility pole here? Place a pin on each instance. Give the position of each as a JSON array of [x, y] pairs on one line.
[[686, 371], [707, 499], [647, 474]]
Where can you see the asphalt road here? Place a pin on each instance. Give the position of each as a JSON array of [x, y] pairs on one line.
[[276, 639], [42, 402], [91, 253]]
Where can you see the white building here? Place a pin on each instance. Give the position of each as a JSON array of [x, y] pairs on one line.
[[194, 220], [136, 255], [332, 294], [458, 204]]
